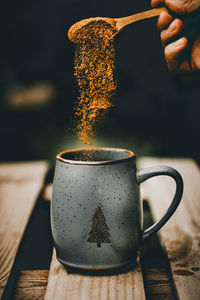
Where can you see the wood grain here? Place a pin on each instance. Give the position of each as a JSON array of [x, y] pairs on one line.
[[157, 284], [124, 21], [62, 285], [181, 235], [20, 184], [31, 284]]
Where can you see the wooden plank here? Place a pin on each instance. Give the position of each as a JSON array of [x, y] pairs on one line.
[[157, 284], [180, 236], [62, 285], [20, 184], [47, 193], [31, 284]]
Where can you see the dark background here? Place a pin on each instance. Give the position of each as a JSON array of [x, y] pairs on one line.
[[155, 114]]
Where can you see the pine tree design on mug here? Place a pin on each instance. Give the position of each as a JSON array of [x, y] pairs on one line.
[[100, 230]]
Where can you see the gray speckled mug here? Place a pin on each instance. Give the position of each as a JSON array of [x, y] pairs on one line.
[[96, 211]]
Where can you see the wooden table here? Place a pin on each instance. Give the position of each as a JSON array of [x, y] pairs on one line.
[[21, 184]]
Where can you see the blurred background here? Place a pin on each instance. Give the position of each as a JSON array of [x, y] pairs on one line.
[[155, 113]]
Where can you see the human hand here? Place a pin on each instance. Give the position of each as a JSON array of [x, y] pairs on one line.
[[180, 55]]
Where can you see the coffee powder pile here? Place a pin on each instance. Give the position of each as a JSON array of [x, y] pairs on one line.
[[93, 70]]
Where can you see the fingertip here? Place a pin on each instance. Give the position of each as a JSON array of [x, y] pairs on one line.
[[179, 24], [173, 53], [164, 20], [181, 43], [173, 50]]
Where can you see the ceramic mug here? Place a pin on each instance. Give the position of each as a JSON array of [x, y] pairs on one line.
[[96, 211]]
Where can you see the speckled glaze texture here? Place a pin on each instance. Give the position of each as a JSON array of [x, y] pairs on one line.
[[96, 212]]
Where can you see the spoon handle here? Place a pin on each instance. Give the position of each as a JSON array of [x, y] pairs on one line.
[[122, 22]]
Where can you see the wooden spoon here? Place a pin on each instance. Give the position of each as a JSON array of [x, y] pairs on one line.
[[117, 23], [123, 22]]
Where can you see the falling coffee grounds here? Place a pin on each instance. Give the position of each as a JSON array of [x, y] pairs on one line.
[[94, 72]]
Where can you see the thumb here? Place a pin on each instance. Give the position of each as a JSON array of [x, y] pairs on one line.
[[178, 6], [174, 54]]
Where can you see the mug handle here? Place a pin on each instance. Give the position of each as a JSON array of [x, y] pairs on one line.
[[156, 171]]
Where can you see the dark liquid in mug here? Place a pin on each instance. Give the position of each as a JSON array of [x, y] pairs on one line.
[[95, 155]]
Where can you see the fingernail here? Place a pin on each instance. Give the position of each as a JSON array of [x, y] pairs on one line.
[[179, 42], [172, 26]]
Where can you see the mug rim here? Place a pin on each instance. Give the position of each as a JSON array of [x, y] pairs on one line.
[[93, 163]]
